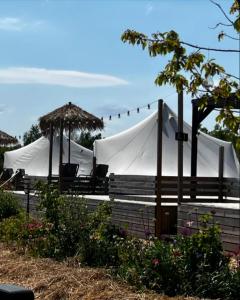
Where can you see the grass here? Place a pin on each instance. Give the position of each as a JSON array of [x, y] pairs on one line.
[[60, 281]]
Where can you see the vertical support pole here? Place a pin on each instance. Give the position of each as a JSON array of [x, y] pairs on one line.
[[194, 145], [220, 171], [60, 155], [180, 147], [28, 197], [159, 211], [50, 153], [94, 179], [69, 142]]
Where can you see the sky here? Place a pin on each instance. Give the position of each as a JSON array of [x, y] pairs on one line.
[[56, 51]]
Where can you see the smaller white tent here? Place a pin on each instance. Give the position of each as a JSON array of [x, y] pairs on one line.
[[34, 158], [134, 151]]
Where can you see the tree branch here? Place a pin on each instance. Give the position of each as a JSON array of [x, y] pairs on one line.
[[209, 49], [231, 37], [220, 24], [193, 46], [223, 12]]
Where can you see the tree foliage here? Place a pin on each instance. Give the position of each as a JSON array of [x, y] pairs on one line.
[[32, 135], [223, 134], [86, 139], [190, 70]]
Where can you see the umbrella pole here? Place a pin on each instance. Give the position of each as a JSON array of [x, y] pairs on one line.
[[69, 142], [50, 153], [60, 155]]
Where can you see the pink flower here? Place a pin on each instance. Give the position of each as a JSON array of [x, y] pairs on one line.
[[155, 262], [189, 223]]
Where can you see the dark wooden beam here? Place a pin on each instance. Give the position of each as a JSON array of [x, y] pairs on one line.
[[69, 143], [194, 145], [159, 210], [50, 153], [180, 147], [60, 155], [232, 100]]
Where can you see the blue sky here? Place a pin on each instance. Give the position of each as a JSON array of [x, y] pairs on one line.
[[55, 51]]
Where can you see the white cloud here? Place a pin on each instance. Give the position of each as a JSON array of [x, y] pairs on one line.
[[57, 77], [17, 24], [149, 9], [2, 109]]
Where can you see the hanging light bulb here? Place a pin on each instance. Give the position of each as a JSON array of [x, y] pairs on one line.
[[138, 110], [128, 113], [119, 116], [110, 118], [102, 119], [148, 106]]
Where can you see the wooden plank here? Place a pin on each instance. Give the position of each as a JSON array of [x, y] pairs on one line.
[[132, 178], [136, 198]]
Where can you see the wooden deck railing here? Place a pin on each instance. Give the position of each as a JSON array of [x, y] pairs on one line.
[[194, 189]]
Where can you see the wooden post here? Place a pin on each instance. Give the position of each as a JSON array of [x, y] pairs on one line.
[[94, 179], [50, 153], [159, 211], [194, 145], [221, 171], [60, 155], [180, 147], [69, 142]]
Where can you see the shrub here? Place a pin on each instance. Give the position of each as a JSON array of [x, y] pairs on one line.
[[10, 228], [76, 230], [9, 205]]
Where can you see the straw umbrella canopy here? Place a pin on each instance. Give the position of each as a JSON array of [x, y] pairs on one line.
[[6, 139], [69, 117]]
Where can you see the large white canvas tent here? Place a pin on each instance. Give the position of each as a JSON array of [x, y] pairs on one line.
[[34, 158], [134, 151]]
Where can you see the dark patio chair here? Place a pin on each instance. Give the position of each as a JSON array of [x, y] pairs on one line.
[[6, 174], [68, 174]]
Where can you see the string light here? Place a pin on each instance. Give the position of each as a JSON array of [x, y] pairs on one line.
[[128, 112]]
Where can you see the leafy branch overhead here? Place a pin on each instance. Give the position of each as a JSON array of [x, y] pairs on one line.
[[188, 68]]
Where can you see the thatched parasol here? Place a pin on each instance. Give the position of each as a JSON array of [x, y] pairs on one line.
[[69, 117], [6, 139], [72, 115]]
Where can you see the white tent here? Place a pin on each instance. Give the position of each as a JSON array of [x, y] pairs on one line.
[[134, 151], [34, 158]]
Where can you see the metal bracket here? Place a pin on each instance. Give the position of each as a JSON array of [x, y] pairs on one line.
[[181, 136]]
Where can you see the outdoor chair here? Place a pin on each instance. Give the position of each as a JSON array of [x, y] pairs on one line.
[[99, 179], [68, 174], [18, 180], [6, 174]]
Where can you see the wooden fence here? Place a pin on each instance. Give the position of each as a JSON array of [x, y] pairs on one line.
[[138, 209], [194, 189], [171, 216], [226, 217]]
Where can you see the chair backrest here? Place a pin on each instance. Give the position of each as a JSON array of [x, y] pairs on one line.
[[69, 170], [6, 174], [101, 170]]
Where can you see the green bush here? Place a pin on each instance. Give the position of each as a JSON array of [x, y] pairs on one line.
[[9, 205], [11, 228], [190, 265], [76, 231]]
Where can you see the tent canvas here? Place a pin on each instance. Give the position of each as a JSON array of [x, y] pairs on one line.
[[134, 151], [34, 158]]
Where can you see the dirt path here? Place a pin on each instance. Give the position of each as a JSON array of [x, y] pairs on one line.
[[60, 281]]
